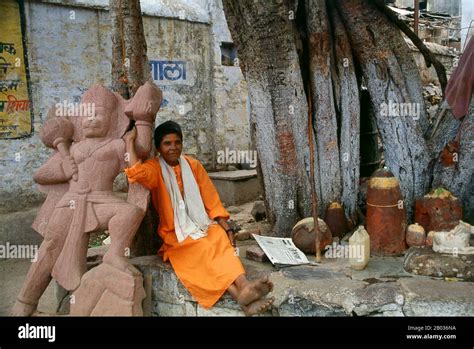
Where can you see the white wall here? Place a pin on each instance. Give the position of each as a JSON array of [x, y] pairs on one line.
[[68, 55], [467, 17]]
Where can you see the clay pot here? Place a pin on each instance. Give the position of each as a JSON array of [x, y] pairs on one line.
[[439, 210], [416, 235], [304, 237], [429, 238], [386, 215], [336, 220]]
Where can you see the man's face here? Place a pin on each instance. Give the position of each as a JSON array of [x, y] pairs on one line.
[[171, 147], [97, 124]]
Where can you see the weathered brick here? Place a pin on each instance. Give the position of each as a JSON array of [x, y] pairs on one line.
[[255, 253]]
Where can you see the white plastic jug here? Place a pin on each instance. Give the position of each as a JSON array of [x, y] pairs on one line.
[[359, 248]]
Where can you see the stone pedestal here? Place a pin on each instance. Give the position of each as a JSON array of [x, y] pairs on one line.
[[237, 187], [108, 291]]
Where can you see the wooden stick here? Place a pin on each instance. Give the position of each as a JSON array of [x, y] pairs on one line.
[[314, 199]]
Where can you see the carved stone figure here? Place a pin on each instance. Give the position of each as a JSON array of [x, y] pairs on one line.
[[78, 178]]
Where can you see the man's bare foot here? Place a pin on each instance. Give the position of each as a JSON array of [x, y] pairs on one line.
[[254, 290], [258, 307], [22, 309]]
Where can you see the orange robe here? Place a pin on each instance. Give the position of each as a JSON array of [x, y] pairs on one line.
[[207, 266]]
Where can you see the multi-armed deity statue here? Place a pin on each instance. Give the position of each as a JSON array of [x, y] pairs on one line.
[[78, 178]]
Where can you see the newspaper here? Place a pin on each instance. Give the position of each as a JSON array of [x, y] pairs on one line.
[[281, 251]]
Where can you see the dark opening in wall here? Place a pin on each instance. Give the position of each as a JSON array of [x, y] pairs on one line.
[[422, 5], [228, 54]]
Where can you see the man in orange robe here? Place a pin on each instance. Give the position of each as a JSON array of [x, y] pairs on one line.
[[204, 261]]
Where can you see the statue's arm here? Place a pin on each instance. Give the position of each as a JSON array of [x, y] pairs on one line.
[[143, 141], [143, 109], [51, 172]]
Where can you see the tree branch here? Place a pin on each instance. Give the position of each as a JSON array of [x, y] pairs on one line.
[[427, 54]]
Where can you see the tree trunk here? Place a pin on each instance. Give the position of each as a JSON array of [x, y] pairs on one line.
[[119, 80], [430, 58], [130, 68], [347, 101], [325, 122], [340, 44], [376, 47], [278, 105]]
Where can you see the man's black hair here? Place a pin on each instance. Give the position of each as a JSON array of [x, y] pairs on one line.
[[166, 128]]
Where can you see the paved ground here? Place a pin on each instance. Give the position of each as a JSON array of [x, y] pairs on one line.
[[12, 275]]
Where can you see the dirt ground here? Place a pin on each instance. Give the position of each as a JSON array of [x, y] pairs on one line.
[[12, 275]]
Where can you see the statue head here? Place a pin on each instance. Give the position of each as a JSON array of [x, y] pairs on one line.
[[103, 119]]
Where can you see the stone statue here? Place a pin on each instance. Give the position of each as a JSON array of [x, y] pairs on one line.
[[78, 178]]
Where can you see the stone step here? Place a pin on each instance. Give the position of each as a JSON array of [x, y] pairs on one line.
[[237, 187]]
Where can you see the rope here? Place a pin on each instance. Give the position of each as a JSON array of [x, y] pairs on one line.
[[369, 204]]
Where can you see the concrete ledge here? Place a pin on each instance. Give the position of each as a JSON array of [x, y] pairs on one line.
[[330, 289], [427, 297], [169, 297], [237, 187], [233, 175]]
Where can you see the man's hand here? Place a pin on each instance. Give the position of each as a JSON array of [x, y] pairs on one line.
[[131, 154], [130, 136], [230, 235], [69, 166], [230, 232]]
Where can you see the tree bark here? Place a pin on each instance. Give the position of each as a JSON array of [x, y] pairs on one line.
[[347, 102], [268, 54], [458, 175], [324, 113], [375, 47], [119, 80], [429, 57], [130, 68]]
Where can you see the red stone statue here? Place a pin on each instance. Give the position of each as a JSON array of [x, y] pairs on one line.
[[78, 178]]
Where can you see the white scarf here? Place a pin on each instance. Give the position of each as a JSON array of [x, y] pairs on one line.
[[190, 216]]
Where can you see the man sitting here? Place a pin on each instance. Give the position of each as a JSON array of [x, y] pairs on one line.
[[193, 224]]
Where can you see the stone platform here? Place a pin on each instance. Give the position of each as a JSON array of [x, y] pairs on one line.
[[329, 289], [424, 261]]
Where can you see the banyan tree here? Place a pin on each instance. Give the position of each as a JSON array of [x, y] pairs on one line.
[[309, 66]]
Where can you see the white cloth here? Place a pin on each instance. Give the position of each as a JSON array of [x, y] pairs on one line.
[[190, 216]]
